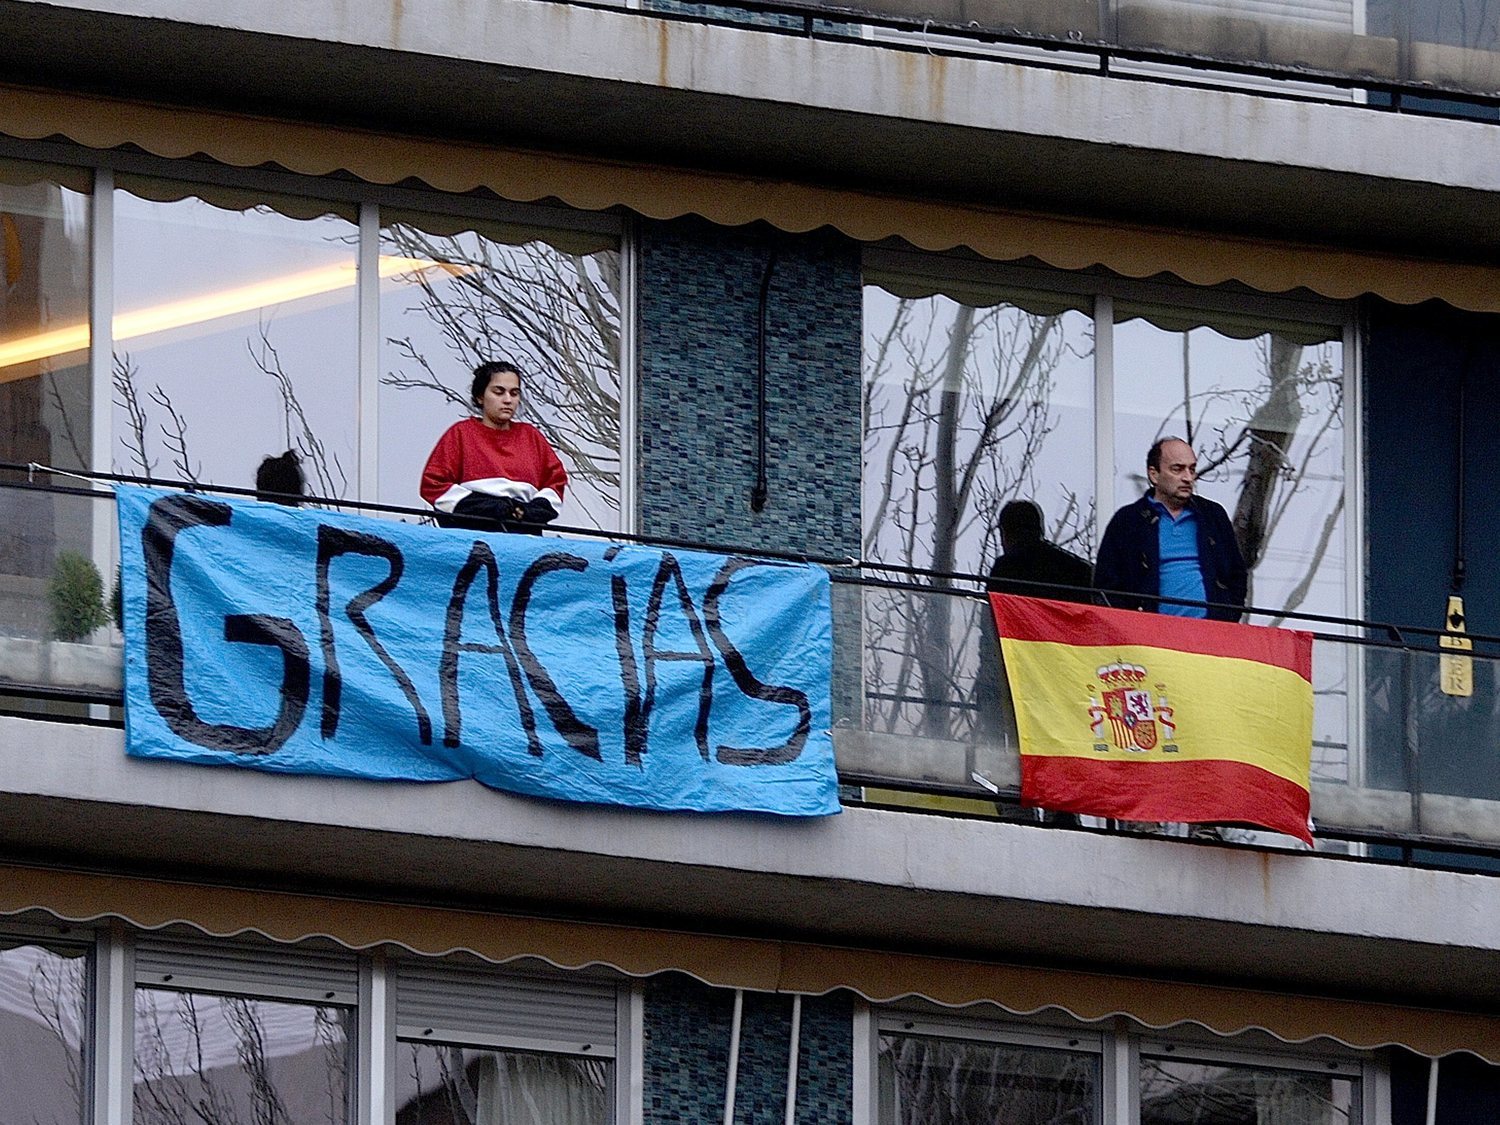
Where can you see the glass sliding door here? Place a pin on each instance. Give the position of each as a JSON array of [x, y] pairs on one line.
[[455, 293], [221, 1060], [235, 335], [45, 397], [44, 1030], [972, 398]]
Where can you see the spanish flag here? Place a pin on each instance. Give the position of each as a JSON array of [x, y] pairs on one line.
[[1141, 716]]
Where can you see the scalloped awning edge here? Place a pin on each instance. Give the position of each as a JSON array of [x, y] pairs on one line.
[[754, 964], [660, 192]]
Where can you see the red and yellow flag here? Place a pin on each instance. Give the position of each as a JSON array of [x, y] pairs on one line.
[[1141, 716]]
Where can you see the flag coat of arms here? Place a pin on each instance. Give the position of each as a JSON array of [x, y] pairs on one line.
[[1141, 716]]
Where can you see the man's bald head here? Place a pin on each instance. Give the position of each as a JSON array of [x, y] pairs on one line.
[[1172, 469]]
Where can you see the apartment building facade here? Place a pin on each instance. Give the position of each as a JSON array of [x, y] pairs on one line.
[[830, 283]]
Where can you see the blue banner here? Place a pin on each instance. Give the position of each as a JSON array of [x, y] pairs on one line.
[[313, 642]]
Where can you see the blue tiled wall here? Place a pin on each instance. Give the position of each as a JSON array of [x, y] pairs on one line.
[[699, 291], [687, 1053]]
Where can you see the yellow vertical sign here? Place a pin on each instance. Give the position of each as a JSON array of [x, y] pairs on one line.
[[1456, 673]]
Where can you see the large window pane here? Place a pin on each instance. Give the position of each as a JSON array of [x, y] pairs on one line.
[[455, 294], [42, 1031], [1265, 412], [1179, 1092], [44, 379], [235, 335], [930, 1081], [442, 1085], [222, 1060], [1263, 408], [968, 405]]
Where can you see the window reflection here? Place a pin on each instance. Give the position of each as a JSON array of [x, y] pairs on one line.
[[44, 378], [968, 404], [1178, 1092], [1265, 413], [547, 301], [226, 1059], [931, 1081], [42, 1030], [235, 335], [1264, 410], [443, 1085]]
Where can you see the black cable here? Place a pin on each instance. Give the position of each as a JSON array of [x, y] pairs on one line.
[[760, 492], [1460, 560]]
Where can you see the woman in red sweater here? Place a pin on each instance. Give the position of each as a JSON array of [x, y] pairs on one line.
[[493, 469]]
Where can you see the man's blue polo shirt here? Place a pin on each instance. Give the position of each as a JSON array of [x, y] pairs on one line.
[[1181, 573]]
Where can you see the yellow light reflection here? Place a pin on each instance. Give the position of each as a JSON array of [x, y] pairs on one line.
[[208, 307]]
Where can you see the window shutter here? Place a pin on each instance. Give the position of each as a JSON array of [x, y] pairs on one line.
[[315, 976], [444, 1003]]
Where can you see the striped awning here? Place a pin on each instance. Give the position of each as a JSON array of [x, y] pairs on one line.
[[661, 192], [754, 964]]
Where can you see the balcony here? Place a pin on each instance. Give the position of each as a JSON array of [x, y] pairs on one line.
[[983, 115], [924, 859], [923, 720]]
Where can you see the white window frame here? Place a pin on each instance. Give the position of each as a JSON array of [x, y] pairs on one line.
[[1100, 293], [122, 961], [368, 199], [1120, 1046], [1367, 1071], [211, 967], [972, 1028]]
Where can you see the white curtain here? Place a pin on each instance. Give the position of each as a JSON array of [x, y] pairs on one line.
[[516, 1089]]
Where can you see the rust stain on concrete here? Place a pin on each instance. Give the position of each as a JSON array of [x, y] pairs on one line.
[[937, 84], [924, 82], [663, 52]]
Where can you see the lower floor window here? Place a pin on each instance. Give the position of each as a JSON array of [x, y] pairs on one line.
[[229, 1059], [927, 1080], [448, 1085], [1181, 1091], [43, 1029], [935, 1068]]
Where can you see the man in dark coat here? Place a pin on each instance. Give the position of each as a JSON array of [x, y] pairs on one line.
[[1172, 543], [1032, 567]]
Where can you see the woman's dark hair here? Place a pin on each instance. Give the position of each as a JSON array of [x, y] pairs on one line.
[[280, 480], [487, 371]]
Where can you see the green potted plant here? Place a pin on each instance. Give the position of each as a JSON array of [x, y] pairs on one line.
[[76, 594]]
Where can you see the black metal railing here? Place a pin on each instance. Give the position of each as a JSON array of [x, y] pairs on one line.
[[920, 699], [1438, 71]]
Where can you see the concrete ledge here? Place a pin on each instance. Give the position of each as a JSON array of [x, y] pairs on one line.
[[629, 85], [904, 880]]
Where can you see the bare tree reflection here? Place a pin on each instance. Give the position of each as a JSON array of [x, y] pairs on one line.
[[1174, 1092], [56, 986], [555, 313], [328, 473], [1273, 441], [217, 1061], [959, 407], [933, 1081]]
